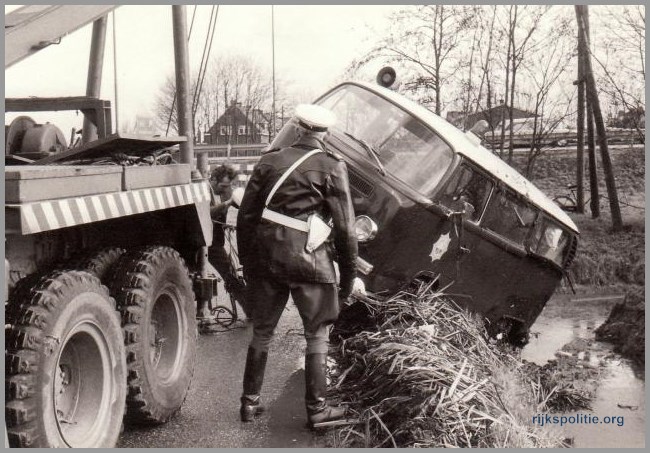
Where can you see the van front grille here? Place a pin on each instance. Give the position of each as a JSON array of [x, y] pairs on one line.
[[360, 185], [571, 253]]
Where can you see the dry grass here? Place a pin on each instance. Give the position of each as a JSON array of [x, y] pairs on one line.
[[427, 376], [605, 258]]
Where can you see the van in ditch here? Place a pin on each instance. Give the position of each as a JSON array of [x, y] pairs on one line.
[[433, 204]]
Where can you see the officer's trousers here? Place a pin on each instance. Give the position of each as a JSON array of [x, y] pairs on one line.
[[317, 305]]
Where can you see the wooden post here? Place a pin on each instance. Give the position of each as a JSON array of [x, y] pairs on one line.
[[594, 204], [593, 165], [582, 14], [580, 158]]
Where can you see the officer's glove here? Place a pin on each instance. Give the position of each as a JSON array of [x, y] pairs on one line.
[[358, 287], [347, 297]]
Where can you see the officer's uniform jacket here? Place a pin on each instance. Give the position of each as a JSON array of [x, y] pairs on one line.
[[319, 185]]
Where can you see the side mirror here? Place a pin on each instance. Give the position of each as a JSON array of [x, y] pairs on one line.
[[386, 77]]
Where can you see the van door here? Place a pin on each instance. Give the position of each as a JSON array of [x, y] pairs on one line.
[[466, 195], [511, 283]]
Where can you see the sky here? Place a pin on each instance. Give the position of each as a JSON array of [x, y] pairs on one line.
[[313, 46]]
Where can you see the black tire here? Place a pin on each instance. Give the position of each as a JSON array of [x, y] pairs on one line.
[[154, 293], [510, 330], [99, 262], [65, 364], [519, 335], [566, 203]]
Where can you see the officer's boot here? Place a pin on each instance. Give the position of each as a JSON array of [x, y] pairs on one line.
[[318, 411], [253, 378]]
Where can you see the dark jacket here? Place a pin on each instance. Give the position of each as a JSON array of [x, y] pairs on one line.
[[319, 185], [219, 214]]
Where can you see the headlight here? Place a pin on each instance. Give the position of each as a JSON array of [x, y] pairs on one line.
[[551, 241], [365, 228]]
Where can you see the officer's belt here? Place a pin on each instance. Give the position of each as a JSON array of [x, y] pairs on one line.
[[285, 220]]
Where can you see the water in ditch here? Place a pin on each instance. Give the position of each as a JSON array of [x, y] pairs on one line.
[[566, 329]]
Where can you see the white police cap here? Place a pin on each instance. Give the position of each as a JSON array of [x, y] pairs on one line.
[[314, 117]]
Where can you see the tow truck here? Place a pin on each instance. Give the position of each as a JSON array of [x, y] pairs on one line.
[[105, 254]]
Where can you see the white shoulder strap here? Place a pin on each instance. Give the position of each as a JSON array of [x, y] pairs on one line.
[[289, 170]]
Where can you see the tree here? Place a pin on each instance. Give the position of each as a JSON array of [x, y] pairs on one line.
[[426, 41], [236, 80], [231, 79], [620, 60], [550, 105], [485, 57], [165, 107], [522, 24]]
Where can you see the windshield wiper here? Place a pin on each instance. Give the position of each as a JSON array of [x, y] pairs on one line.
[[371, 151]]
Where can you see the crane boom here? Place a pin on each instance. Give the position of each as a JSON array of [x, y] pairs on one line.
[[33, 27]]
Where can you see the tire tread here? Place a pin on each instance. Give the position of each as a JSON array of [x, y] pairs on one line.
[[131, 281], [33, 304]]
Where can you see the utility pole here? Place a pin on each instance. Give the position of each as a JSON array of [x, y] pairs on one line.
[[117, 109], [182, 66], [583, 53], [273, 63], [580, 158], [582, 14], [593, 164], [94, 83]]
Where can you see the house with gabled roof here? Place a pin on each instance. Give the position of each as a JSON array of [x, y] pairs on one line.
[[239, 125]]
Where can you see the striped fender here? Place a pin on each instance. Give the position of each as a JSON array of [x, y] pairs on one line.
[[54, 214]]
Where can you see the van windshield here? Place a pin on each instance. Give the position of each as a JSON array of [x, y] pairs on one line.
[[408, 149]]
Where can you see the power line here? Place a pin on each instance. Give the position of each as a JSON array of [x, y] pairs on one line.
[[204, 67]]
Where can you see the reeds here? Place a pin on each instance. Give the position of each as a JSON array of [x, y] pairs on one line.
[[427, 375]]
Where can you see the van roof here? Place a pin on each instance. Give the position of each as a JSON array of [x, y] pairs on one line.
[[476, 153]]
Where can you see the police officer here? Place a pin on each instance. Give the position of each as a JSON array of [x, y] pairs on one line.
[[277, 264]]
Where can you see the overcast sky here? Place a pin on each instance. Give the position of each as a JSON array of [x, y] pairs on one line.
[[313, 46]]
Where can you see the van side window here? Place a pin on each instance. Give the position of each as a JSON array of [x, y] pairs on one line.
[[550, 241], [467, 190], [509, 217]]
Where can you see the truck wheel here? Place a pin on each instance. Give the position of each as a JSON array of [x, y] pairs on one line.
[[99, 262], [154, 293], [65, 364]]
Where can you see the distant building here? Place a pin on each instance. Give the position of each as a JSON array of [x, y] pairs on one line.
[[239, 125], [144, 125], [630, 119], [493, 116]]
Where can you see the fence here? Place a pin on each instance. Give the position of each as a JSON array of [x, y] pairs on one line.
[[241, 157]]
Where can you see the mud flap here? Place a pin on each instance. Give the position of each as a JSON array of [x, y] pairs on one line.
[[202, 210]]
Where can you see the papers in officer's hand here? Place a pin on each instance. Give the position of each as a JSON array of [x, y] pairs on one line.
[[319, 231]]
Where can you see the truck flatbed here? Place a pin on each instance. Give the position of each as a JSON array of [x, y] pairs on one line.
[[129, 144], [31, 183]]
